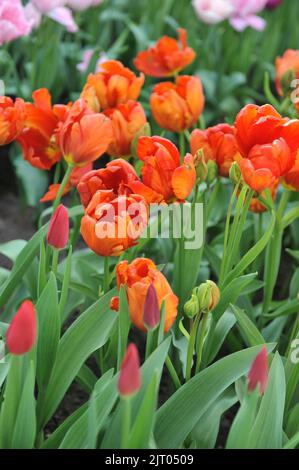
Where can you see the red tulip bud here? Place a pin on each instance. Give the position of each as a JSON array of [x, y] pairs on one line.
[[151, 310], [129, 379], [58, 233], [21, 333], [258, 373]]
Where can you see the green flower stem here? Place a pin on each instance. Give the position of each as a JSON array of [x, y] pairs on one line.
[[62, 186], [126, 422], [182, 145], [191, 345], [172, 372], [149, 343], [55, 257], [273, 255], [106, 278], [226, 232], [200, 343]]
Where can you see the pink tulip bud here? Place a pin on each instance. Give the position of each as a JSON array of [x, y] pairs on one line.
[[129, 379], [151, 310], [21, 334], [58, 233], [258, 373]]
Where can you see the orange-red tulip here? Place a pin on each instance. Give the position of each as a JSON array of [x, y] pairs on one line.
[[167, 57], [129, 381], [112, 224], [177, 107], [21, 334], [217, 143], [58, 233], [112, 85], [291, 179], [12, 116], [268, 144], [164, 178], [76, 175], [257, 206], [38, 138], [137, 277], [127, 120], [84, 135], [287, 68], [116, 178], [258, 374]]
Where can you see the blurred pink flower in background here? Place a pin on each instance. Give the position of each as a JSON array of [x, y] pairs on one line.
[[54, 9], [13, 21], [87, 55], [244, 14], [213, 11], [80, 5]]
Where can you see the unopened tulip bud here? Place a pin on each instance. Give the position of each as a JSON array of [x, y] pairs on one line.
[[235, 173], [130, 378], [21, 334], [258, 373], [151, 310], [200, 166], [208, 296], [286, 81], [191, 307], [58, 233], [212, 171]]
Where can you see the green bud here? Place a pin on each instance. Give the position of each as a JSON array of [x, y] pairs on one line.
[[201, 166], [235, 173], [208, 295], [191, 307]]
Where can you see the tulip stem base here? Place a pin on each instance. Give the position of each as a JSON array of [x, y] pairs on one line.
[[126, 422]]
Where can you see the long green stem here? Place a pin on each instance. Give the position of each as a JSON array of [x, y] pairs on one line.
[[106, 278], [226, 231], [273, 255], [55, 257], [62, 186], [126, 422], [201, 341], [191, 345]]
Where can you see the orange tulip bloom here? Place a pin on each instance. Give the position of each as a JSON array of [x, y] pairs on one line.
[[137, 277], [291, 179], [287, 68], [112, 85], [115, 178], [167, 57], [12, 116], [178, 106], [268, 143], [38, 138], [127, 120], [76, 175], [164, 179], [217, 143], [112, 224], [84, 136]]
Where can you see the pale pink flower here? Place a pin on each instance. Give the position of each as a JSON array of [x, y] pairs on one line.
[[87, 55], [245, 14], [54, 9], [44, 6], [213, 11], [80, 5], [13, 21]]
